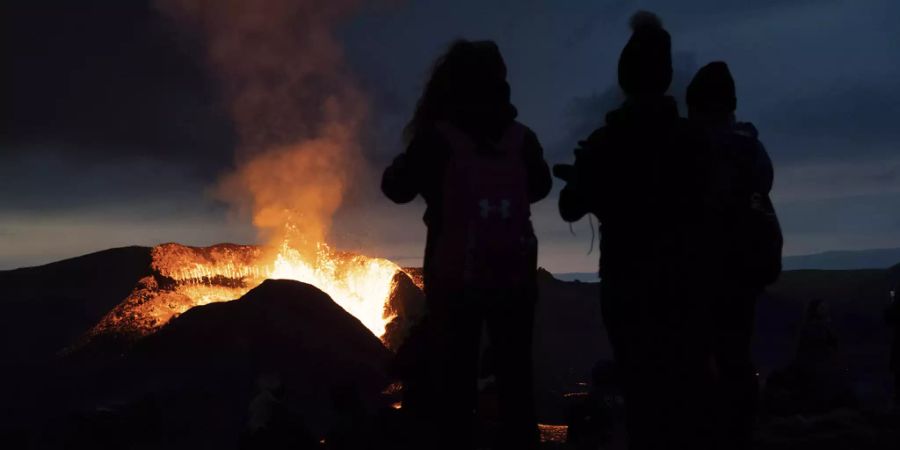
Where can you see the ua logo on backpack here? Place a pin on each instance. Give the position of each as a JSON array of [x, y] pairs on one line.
[[487, 209], [486, 239]]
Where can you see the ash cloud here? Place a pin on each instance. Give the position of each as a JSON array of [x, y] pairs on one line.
[[296, 108]]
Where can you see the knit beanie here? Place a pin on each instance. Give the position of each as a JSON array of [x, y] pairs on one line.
[[645, 66]]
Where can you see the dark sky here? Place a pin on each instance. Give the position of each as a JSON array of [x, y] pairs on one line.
[[113, 130]]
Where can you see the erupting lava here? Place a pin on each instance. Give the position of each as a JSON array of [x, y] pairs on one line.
[[361, 285], [185, 277], [297, 111]]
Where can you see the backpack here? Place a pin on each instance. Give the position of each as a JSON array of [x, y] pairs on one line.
[[756, 238], [486, 239], [764, 241]]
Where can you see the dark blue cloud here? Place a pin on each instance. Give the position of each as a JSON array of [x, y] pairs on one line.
[[106, 106], [108, 81], [863, 116]]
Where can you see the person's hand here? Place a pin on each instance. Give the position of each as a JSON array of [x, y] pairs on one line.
[[400, 163], [398, 167], [565, 172]]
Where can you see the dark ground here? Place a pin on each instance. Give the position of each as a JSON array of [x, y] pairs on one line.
[[197, 374]]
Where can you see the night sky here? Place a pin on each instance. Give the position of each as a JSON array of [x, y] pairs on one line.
[[113, 128]]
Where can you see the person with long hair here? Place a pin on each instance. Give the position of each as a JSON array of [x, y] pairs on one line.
[[478, 170]]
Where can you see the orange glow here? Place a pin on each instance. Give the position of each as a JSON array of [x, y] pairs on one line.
[[361, 285], [553, 433], [192, 276], [297, 112]]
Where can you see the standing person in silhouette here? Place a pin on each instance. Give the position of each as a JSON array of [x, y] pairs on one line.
[[892, 317], [478, 170], [749, 236], [643, 175]]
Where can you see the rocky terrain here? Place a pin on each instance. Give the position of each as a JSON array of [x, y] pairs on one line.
[[191, 381]]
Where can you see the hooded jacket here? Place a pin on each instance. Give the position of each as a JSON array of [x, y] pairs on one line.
[[643, 176]]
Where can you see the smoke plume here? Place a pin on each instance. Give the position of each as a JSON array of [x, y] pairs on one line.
[[296, 108]]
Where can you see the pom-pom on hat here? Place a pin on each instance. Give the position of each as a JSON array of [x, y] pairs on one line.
[[645, 66]]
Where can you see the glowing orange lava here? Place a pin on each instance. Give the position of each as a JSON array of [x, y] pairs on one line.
[[185, 277], [361, 285]]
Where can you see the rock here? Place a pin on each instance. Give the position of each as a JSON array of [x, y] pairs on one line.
[[407, 304]]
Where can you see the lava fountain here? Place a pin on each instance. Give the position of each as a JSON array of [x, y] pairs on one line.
[[184, 277], [297, 114]]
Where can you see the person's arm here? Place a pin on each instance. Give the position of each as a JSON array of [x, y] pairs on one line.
[[571, 208], [576, 198], [765, 173], [761, 171], [539, 180], [404, 179], [399, 182]]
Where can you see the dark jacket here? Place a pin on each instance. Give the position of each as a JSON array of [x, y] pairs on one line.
[[748, 227], [420, 169], [643, 176]]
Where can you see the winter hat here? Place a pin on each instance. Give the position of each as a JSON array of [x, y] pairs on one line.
[[645, 66], [712, 89]]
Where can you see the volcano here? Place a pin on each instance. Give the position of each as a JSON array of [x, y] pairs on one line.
[[121, 327], [200, 371], [120, 343], [208, 360], [183, 277]]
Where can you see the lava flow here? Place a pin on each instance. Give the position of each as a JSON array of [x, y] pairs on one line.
[[185, 277]]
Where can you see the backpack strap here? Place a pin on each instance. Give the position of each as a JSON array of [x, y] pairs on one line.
[[458, 140], [513, 138]]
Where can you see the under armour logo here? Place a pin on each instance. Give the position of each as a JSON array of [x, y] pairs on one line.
[[487, 209]]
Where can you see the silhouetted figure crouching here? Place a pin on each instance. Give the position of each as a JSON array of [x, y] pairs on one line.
[[478, 171], [817, 380]]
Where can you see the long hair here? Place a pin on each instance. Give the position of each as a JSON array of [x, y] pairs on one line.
[[467, 86]]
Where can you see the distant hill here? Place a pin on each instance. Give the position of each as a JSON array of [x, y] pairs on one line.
[[882, 258], [845, 260], [895, 275], [584, 277], [45, 308], [199, 371]]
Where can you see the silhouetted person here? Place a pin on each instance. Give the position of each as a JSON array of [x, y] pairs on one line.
[[817, 344], [644, 176], [817, 380], [892, 317], [821, 376], [478, 171], [750, 237]]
